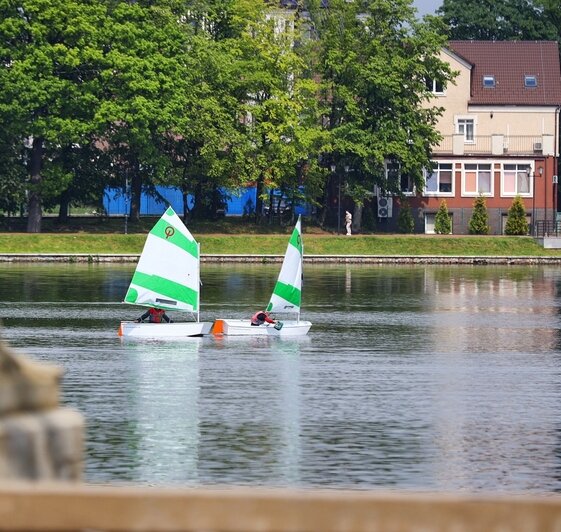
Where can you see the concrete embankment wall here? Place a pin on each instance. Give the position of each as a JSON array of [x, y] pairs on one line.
[[49, 507], [308, 259]]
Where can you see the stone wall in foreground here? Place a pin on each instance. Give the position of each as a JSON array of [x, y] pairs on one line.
[[39, 440]]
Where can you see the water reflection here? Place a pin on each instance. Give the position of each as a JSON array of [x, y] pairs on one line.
[[164, 398], [425, 377]]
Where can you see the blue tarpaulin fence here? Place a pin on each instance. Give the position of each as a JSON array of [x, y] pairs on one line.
[[238, 202]]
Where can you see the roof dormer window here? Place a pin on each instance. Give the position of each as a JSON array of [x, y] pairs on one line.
[[530, 81], [489, 82]]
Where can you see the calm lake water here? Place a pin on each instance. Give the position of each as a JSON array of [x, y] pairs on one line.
[[417, 377]]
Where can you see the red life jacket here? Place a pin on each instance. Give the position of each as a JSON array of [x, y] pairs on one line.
[[256, 320], [156, 315]]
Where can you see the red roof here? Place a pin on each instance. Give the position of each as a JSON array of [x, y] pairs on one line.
[[509, 62]]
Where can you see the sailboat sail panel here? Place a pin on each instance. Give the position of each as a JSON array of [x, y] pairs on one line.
[[287, 294], [167, 274]]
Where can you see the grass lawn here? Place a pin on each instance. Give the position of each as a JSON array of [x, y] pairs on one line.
[[276, 244], [98, 235]]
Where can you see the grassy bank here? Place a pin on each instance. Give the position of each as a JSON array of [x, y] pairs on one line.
[[315, 244]]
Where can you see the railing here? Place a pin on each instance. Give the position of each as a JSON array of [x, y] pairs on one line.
[[483, 144], [543, 228], [25, 507], [522, 144]]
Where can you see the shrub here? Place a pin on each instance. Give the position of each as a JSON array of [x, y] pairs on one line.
[[516, 223], [368, 219], [405, 222], [479, 221], [442, 220]]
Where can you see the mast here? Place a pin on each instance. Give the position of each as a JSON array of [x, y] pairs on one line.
[[198, 280], [301, 265]]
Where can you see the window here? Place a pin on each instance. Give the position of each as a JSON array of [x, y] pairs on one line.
[[430, 219], [406, 184], [530, 81], [489, 82], [440, 181], [398, 180], [435, 86], [466, 127], [477, 179], [516, 180]]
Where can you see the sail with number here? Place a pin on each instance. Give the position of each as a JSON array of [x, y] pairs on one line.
[[287, 294], [167, 274]]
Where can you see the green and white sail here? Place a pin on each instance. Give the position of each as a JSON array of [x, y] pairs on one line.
[[167, 274], [287, 294]]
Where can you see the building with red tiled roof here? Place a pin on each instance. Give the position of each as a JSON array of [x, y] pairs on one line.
[[524, 73], [499, 135]]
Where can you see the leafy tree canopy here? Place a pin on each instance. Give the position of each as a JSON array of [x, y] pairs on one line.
[[501, 19], [374, 58]]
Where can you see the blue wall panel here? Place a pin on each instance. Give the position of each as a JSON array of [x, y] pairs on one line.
[[241, 201]]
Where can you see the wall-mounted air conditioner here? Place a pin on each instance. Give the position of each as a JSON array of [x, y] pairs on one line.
[[385, 204], [537, 146]]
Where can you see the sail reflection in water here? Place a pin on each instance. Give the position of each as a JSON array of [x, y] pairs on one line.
[[164, 392], [250, 433]]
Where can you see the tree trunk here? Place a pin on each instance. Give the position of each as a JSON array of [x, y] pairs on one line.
[[186, 212], [34, 207], [63, 207], [136, 193], [325, 206], [258, 199]]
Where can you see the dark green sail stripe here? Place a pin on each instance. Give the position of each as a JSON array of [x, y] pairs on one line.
[[296, 240], [169, 233], [288, 293], [167, 288]]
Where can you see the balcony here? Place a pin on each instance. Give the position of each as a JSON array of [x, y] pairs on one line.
[[531, 145]]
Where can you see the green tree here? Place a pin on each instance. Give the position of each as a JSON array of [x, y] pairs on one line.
[[146, 82], [405, 221], [442, 220], [12, 174], [500, 20], [479, 221], [516, 223], [49, 56], [281, 114], [373, 59]]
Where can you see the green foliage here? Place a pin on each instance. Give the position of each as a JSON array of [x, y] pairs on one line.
[[207, 94], [50, 55], [373, 59], [442, 220], [368, 218], [500, 20], [405, 221], [479, 221], [516, 223]]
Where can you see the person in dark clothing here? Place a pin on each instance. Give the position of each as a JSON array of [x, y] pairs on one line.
[[154, 315], [261, 317]]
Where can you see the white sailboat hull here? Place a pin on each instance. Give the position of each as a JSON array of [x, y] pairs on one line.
[[236, 327], [133, 329]]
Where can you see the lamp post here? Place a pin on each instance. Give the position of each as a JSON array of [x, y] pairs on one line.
[[346, 177], [540, 173], [126, 204], [333, 168], [534, 203], [555, 180]]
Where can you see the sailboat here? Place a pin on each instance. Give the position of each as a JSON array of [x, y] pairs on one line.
[[286, 298], [167, 276]]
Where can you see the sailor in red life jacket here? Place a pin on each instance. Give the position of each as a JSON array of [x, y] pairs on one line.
[[155, 315], [260, 317]]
